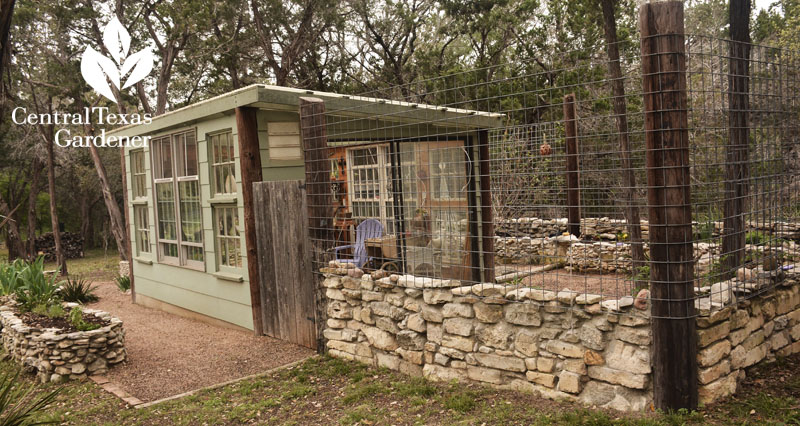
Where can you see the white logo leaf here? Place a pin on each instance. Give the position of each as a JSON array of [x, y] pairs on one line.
[[97, 69], [117, 40], [141, 62]]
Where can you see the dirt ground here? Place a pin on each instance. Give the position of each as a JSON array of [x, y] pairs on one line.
[[168, 354], [610, 286]]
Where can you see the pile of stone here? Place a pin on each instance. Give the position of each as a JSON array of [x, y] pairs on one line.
[[55, 356], [564, 344], [592, 228], [742, 335]]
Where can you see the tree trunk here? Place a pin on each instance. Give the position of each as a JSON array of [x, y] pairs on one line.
[[114, 214], [85, 221], [621, 115], [33, 195], [13, 240], [61, 261]]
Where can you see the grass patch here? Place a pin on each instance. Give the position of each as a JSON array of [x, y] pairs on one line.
[[415, 386], [359, 392], [461, 402], [358, 415]]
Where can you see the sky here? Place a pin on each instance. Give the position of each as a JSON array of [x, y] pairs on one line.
[[762, 4]]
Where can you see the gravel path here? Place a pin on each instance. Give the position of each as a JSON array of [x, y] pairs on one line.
[[168, 354]]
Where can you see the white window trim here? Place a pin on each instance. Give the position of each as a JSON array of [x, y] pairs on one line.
[[181, 260]]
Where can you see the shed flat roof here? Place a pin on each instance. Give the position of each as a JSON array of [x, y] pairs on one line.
[[280, 98]]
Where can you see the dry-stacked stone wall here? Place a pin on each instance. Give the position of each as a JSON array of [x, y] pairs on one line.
[[742, 335], [55, 356], [562, 345]]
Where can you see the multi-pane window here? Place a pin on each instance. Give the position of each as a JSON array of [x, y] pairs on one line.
[[448, 176], [370, 184], [223, 163], [178, 208], [229, 246], [141, 227], [138, 174]]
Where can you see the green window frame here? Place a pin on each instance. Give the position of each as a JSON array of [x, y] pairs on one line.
[[223, 163], [138, 174], [228, 235], [141, 226], [178, 205]]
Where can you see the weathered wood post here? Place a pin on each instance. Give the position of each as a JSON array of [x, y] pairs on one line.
[[487, 221], [736, 150], [573, 181], [250, 163], [314, 137], [674, 350]]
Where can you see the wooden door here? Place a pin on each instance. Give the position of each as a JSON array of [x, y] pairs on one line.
[[284, 260]]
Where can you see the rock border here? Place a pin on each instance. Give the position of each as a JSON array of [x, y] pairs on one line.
[[56, 356]]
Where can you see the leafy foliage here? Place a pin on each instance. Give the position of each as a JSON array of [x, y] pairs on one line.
[[20, 403], [78, 290], [36, 287], [123, 283], [9, 277], [77, 321]]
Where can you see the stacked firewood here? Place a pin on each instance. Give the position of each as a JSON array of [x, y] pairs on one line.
[[71, 242]]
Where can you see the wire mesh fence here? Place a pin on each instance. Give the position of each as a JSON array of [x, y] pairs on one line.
[[482, 177]]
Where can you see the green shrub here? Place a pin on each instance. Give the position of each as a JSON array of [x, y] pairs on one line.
[[36, 288], [9, 276], [756, 237], [19, 403], [123, 283], [52, 311], [78, 290], [704, 231], [76, 319]]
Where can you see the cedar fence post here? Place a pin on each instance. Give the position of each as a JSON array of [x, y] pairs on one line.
[[313, 135], [487, 221], [674, 350], [573, 181], [250, 162], [736, 151]]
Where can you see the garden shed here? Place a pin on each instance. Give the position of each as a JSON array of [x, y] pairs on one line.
[[188, 207]]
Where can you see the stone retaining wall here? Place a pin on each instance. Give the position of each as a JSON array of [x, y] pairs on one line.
[[565, 345], [605, 228], [523, 339], [737, 337], [605, 256], [55, 356]]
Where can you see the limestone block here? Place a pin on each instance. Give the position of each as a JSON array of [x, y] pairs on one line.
[[442, 374], [500, 362], [713, 353], [525, 342], [457, 342], [432, 314], [544, 379], [619, 377], [488, 313], [591, 337], [389, 361], [411, 340], [416, 323], [488, 290], [591, 357], [437, 296], [380, 339], [708, 375], [545, 365], [459, 326], [626, 357], [462, 310], [569, 382], [565, 349], [710, 335], [526, 314], [718, 389], [482, 374]]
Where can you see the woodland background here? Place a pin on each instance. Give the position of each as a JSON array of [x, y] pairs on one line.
[[206, 48]]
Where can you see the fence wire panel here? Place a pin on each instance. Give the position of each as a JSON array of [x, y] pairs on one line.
[[478, 177]]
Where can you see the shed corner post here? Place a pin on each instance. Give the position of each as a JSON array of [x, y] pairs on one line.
[[250, 162], [314, 140], [674, 345]]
